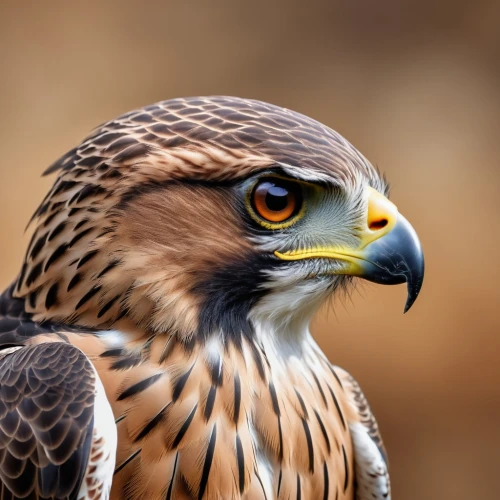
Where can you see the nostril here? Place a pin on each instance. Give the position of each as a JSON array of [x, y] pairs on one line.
[[378, 224]]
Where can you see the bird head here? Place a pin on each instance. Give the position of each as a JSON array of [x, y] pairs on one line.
[[206, 216]]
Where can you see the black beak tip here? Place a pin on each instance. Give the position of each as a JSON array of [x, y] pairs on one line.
[[414, 282], [410, 300], [409, 303]]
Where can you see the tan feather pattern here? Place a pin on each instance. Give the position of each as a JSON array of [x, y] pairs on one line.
[[194, 426], [179, 408]]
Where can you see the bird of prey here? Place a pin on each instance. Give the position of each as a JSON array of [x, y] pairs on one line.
[[155, 344]]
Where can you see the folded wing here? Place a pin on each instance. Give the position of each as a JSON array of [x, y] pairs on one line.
[[51, 420]]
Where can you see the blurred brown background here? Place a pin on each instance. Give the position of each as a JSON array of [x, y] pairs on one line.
[[415, 85]]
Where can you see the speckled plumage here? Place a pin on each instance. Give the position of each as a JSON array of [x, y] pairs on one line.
[[141, 261]]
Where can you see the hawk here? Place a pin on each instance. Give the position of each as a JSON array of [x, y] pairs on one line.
[[155, 343]]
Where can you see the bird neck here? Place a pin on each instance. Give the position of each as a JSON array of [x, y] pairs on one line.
[[236, 405]]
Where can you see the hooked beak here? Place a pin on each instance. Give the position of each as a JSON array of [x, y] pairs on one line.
[[389, 251]]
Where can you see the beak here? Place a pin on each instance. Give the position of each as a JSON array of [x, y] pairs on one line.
[[389, 251]]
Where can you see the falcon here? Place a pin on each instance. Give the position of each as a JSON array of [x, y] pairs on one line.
[[155, 344]]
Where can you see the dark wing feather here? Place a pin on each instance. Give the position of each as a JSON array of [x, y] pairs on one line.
[[17, 326], [372, 480], [47, 396], [366, 416]]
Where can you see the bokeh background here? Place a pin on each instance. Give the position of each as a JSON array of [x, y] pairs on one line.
[[414, 84]]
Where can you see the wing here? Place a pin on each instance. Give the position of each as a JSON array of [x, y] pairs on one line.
[[57, 430], [47, 395], [371, 470]]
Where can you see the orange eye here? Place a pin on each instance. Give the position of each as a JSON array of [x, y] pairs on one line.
[[276, 200]]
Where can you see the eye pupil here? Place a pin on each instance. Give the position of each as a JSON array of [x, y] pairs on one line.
[[277, 198]]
